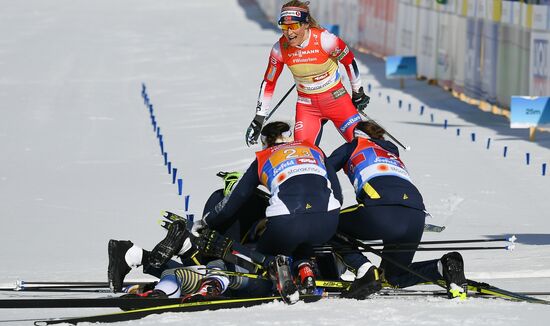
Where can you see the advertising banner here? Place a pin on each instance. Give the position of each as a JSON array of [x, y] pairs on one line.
[[539, 77], [426, 40], [512, 63], [529, 112], [458, 61], [489, 62], [349, 20], [444, 49], [405, 43], [391, 26], [507, 12], [540, 17], [400, 67], [472, 72]]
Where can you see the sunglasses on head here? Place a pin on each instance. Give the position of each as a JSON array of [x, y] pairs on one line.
[[293, 26]]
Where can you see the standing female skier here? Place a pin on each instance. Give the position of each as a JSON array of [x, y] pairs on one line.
[[312, 55]]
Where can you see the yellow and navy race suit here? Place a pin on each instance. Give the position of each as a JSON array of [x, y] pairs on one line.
[[390, 208], [305, 198]]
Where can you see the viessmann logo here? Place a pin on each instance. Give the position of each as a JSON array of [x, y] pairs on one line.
[[301, 53]]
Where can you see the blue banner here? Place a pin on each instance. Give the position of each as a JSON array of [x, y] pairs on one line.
[[530, 112], [400, 67]]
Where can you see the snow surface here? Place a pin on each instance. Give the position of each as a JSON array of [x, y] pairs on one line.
[[81, 164]]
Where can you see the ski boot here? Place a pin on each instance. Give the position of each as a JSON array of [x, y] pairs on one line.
[[118, 268], [171, 245], [151, 294], [279, 272], [452, 269], [210, 289], [367, 283], [307, 278], [139, 288]]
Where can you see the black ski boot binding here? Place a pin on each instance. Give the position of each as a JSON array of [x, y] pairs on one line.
[[364, 286], [118, 268], [279, 271], [453, 274]]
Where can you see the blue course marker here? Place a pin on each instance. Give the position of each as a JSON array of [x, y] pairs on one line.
[[505, 151], [543, 169], [369, 87], [169, 167], [180, 187], [174, 173], [165, 158], [527, 158], [458, 131], [432, 117], [388, 99], [410, 107], [187, 202], [488, 143], [445, 124], [400, 104], [473, 136], [422, 110]]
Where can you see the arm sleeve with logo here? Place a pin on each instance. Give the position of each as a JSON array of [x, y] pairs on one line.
[[224, 212], [272, 73], [336, 48]]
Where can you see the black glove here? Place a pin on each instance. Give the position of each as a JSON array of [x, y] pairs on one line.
[[212, 243], [360, 99], [253, 131]]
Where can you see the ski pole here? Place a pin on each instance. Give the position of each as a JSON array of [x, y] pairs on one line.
[[21, 285], [511, 239], [404, 249], [389, 260], [407, 148], [279, 104]]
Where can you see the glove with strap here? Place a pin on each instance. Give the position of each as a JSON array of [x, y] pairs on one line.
[[360, 99], [229, 180], [253, 131], [212, 243]]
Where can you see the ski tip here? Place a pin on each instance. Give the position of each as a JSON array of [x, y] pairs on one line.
[[407, 148], [511, 247], [512, 239]]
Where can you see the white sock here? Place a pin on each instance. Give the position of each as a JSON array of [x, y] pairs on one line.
[[169, 285], [363, 270], [133, 256]]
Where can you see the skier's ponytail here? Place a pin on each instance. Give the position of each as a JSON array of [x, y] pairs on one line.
[[371, 129], [275, 132]]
